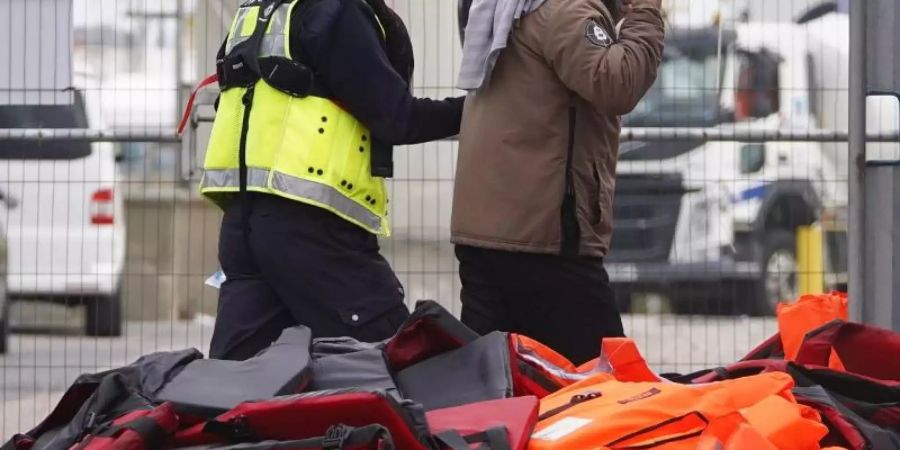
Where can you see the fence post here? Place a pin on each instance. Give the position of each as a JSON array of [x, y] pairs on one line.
[[857, 141], [882, 239]]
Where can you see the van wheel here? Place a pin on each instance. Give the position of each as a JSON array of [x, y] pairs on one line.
[[778, 276], [103, 316]]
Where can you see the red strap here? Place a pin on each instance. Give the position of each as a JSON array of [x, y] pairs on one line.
[[214, 78]]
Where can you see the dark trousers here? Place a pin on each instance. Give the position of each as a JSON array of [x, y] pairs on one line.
[[565, 303], [300, 265]]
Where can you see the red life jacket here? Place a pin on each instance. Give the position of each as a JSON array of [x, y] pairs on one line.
[[137, 430], [501, 424], [516, 416], [858, 401]]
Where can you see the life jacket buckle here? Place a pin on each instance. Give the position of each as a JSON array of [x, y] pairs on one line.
[[288, 76], [233, 71], [235, 430], [336, 437]]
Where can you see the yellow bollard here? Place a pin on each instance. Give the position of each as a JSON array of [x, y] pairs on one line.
[[810, 261]]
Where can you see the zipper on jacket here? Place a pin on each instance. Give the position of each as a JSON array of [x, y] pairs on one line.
[[570, 234], [575, 400], [247, 100]]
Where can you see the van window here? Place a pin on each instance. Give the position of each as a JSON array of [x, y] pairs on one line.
[[47, 117]]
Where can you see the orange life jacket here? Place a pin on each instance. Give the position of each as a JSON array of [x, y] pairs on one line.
[[625, 360], [618, 356], [732, 432], [603, 412], [808, 313]]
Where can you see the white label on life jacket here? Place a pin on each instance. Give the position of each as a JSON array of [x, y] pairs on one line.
[[560, 429]]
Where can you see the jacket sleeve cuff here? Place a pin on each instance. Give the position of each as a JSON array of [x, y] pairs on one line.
[[645, 10], [644, 4]]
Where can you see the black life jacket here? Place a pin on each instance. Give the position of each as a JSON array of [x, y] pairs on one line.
[[244, 67]]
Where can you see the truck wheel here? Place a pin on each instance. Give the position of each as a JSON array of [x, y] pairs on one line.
[[103, 316], [4, 326], [778, 280]]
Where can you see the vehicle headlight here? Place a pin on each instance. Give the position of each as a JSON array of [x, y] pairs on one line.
[[700, 219], [706, 227]]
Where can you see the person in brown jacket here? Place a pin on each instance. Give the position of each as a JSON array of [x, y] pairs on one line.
[[532, 207]]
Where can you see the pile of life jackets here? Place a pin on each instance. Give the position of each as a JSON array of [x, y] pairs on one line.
[[820, 383]]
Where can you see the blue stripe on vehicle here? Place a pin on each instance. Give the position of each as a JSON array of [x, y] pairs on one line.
[[752, 193]]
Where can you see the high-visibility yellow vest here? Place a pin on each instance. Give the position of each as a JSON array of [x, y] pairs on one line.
[[306, 149]]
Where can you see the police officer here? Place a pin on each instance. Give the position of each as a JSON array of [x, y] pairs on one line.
[[313, 95], [532, 207]]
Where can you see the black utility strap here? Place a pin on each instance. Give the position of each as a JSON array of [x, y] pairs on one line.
[[230, 431], [18, 439], [249, 49], [537, 377], [338, 437], [249, 53], [492, 439], [452, 440], [722, 373]]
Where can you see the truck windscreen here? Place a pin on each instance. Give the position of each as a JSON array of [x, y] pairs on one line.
[[686, 90]]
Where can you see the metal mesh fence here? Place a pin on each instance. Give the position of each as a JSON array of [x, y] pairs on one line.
[[736, 148]]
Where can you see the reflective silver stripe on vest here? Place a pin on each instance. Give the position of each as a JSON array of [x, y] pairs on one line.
[[273, 41], [231, 178], [326, 195], [238, 26], [317, 192]]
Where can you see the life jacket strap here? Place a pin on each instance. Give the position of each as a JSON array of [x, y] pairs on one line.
[[338, 437], [491, 439]]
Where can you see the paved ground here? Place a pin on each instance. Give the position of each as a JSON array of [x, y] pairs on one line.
[[42, 363], [39, 367]]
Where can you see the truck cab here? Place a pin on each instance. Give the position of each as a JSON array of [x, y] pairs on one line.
[[713, 222]]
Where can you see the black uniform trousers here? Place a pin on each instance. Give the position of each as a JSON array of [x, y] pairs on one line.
[[565, 303], [300, 265]]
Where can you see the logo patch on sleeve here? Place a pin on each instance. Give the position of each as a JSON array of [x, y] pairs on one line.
[[596, 34]]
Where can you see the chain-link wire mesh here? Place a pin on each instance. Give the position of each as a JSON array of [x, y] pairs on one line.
[[736, 148]]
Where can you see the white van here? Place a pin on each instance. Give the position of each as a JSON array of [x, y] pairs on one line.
[[66, 232]]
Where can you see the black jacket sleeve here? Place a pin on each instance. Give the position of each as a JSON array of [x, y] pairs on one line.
[[340, 40]]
